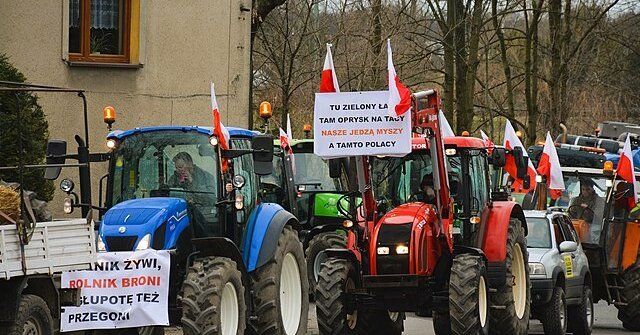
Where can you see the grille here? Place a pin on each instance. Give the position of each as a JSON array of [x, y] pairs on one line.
[[158, 237], [390, 236], [121, 243]]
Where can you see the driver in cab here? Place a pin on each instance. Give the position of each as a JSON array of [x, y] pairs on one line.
[[588, 206], [189, 176], [426, 193]]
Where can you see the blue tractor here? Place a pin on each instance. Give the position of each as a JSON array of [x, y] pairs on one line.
[[237, 262]]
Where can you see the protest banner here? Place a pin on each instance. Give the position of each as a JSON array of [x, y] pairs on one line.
[[357, 123], [123, 290]]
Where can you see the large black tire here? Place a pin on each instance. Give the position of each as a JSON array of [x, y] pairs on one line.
[[581, 316], [468, 296], [441, 323], [267, 288], [33, 315], [202, 293], [151, 330], [554, 315], [331, 310], [504, 318], [630, 314], [318, 244]]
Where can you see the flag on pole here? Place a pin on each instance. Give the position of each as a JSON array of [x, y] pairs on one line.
[[549, 166], [626, 169], [445, 127], [512, 141], [329, 80], [219, 130], [399, 95], [289, 138], [487, 142]]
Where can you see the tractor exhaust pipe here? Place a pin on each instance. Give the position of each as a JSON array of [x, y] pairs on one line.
[[564, 132]]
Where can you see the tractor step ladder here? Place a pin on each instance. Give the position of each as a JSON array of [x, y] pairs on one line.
[[614, 286]]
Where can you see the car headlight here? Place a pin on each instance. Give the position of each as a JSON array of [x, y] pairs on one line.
[[537, 269], [101, 246], [144, 243]]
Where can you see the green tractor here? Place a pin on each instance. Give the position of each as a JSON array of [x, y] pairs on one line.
[[312, 195]]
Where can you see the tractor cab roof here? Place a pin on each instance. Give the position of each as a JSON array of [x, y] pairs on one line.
[[468, 142], [233, 131]]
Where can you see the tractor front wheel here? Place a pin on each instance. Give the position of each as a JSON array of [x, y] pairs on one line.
[[468, 298], [281, 293], [315, 255], [213, 298], [334, 316], [630, 314], [511, 302]]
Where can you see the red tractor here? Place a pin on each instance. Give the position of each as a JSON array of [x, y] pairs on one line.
[[457, 250]]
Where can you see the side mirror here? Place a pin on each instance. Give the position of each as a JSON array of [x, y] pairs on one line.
[[335, 168], [568, 246], [262, 146], [499, 157], [56, 154], [521, 161]]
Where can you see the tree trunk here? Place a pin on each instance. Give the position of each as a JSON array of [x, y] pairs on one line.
[[472, 63], [531, 72], [462, 115], [449, 63], [504, 58], [555, 39], [376, 44]]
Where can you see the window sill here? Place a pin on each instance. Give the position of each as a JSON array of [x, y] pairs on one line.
[[106, 65]]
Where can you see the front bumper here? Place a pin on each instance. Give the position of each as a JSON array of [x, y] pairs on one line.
[[541, 290]]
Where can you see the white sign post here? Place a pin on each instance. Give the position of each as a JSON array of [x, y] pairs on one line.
[[125, 289], [357, 123]]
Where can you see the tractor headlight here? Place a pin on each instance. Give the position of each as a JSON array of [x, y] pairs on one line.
[[67, 206], [144, 243], [402, 249], [537, 269], [111, 143], [383, 250], [101, 246]]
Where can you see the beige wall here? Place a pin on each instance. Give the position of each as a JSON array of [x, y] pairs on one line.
[[183, 46]]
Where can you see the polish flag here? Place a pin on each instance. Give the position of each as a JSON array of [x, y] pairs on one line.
[[219, 130], [288, 139], [445, 127], [329, 81], [511, 141], [487, 142], [284, 142], [626, 169], [549, 166], [399, 95]]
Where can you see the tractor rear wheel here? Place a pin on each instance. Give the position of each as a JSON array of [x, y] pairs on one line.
[[280, 291], [213, 298], [334, 316], [554, 314], [468, 296], [630, 314], [33, 317], [511, 302], [315, 255]]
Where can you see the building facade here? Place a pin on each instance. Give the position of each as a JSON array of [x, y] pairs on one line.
[[151, 60]]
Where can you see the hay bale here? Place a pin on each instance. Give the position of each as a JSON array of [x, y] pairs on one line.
[[9, 203]]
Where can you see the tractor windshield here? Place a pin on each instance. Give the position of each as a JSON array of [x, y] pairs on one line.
[[312, 173], [403, 179], [167, 164]]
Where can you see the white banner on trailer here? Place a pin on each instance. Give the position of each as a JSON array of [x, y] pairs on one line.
[[357, 123], [125, 289]]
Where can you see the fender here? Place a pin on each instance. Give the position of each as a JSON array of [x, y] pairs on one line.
[[264, 226], [493, 235], [309, 234], [463, 249]]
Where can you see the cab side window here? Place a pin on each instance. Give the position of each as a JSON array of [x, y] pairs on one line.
[[479, 181], [243, 166]]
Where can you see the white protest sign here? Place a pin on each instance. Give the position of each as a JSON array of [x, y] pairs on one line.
[[125, 289], [357, 123]]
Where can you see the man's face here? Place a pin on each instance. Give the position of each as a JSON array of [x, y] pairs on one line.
[[183, 168], [586, 190]]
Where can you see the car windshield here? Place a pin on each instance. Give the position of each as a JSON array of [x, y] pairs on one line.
[[539, 235], [167, 163], [312, 172]]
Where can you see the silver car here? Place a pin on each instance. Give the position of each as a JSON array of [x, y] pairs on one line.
[[560, 279]]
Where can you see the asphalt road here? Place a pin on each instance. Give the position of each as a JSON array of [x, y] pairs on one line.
[[606, 323]]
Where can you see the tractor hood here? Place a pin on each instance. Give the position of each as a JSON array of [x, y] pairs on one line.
[[125, 224]]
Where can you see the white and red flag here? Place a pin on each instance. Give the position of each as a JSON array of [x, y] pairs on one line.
[[445, 127], [329, 81], [219, 130], [512, 141], [399, 95], [487, 141], [285, 143], [626, 170], [549, 166]]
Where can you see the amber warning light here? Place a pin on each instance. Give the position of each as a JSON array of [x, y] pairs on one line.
[[109, 115], [265, 110]]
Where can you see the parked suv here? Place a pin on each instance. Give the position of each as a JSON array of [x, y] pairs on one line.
[[559, 270]]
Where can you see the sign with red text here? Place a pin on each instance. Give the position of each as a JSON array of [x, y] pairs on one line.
[[124, 289], [357, 123]]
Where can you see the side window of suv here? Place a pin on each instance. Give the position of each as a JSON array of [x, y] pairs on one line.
[[558, 231], [565, 230], [572, 229]]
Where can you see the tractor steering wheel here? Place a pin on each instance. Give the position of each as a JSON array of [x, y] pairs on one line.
[[575, 213]]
